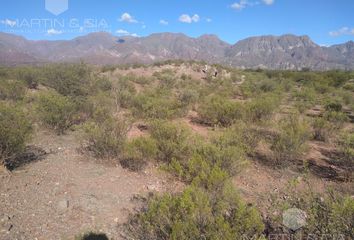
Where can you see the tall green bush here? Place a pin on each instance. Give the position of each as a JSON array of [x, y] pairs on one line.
[[56, 111], [291, 141], [197, 213], [15, 130], [106, 139]]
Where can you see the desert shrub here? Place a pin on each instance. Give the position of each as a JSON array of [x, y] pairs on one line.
[[172, 140], [322, 129], [349, 86], [216, 110], [336, 118], [12, 90], [138, 152], [188, 97], [123, 91], [156, 104], [197, 214], [100, 84], [108, 68], [98, 107], [304, 98], [166, 77], [68, 79], [226, 151], [333, 106], [262, 108], [15, 131], [185, 77], [106, 139], [291, 140], [56, 111], [230, 158], [143, 80], [30, 76], [240, 135], [346, 147]]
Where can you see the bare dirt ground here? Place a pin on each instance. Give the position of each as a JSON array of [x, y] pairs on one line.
[[68, 193]]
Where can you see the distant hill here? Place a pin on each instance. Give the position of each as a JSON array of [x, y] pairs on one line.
[[271, 52]]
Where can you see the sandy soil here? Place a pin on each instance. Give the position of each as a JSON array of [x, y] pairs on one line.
[[68, 193]]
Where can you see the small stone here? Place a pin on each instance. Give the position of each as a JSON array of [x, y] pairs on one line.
[[63, 205]]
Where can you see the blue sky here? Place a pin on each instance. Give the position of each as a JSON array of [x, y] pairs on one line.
[[325, 21]]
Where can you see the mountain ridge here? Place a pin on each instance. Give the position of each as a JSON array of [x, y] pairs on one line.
[[287, 51]]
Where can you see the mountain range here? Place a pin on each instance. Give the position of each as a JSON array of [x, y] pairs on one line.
[[269, 52]]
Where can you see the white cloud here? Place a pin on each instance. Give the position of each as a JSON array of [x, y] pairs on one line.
[[126, 17], [209, 20], [163, 22], [241, 5], [185, 18], [8, 22], [195, 18], [342, 31], [247, 3], [123, 32], [268, 2], [52, 31]]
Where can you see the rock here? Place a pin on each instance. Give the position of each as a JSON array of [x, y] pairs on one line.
[[63, 205], [152, 187]]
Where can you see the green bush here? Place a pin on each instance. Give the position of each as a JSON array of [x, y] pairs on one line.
[[123, 91], [188, 97], [346, 147], [304, 98], [216, 110], [336, 118], [56, 111], [30, 76], [15, 130], [68, 79], [333, 106], [138, 152], [172, 140], [99, 107], [207, 158], [226, 151], [291, 141], [106, 139], [197, 214], [166, 77], [322, 129], [262, 108], [156, 105], [12, 90]]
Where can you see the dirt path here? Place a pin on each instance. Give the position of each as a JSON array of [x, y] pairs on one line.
[[68, 193]]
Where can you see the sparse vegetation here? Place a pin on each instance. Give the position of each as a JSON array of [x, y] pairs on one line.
[[204, 131]]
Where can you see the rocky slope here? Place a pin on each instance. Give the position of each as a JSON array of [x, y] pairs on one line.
[[272, 52]]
